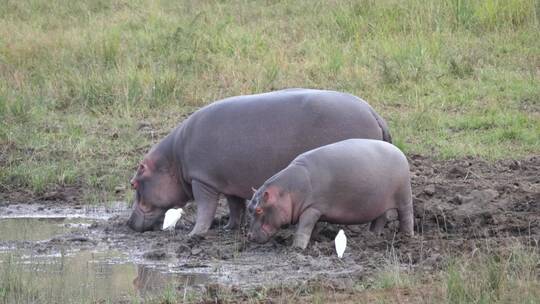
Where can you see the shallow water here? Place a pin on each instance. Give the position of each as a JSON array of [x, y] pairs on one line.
[[38, 229], [93, 273]]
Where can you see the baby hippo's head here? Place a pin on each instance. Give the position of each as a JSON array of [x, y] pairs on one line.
[[267, 213]]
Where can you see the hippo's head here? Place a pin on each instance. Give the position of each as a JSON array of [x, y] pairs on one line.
[[268, 212], [157, 189]]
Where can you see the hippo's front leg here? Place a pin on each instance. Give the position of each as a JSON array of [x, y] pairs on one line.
[[206, 199], [306, 223]]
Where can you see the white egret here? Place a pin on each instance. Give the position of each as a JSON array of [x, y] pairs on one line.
[[341, 243], [171, 218]]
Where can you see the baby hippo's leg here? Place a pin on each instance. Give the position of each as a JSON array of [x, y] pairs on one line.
[[307, 222]]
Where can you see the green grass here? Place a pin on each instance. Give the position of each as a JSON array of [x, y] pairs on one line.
[[453, 77], [507, 277]]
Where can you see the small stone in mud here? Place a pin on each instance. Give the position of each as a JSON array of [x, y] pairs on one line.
[[40, 208], [94, 225], [155, 255], [429, 190], [196, 251]]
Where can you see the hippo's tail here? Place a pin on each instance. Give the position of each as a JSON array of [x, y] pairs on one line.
[[384, 127]]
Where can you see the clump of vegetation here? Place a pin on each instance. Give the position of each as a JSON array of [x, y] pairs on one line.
[[508, 276]]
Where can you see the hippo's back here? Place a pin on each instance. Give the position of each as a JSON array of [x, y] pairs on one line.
[[238, 142]]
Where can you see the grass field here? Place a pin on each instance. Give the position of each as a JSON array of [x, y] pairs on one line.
[[87, 86], [77, 78]]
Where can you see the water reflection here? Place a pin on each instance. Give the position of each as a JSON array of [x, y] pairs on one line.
[[77, 276], [149, 280], [93, 276], [37, 229]]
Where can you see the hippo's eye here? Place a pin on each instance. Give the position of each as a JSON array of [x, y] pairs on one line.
[[258, 211]]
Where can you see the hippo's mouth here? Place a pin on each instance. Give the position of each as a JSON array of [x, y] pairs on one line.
[[143, 217], [266, 230], [265, 233], [141, 222]]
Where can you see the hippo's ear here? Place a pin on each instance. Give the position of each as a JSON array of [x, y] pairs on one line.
[[269, 195]]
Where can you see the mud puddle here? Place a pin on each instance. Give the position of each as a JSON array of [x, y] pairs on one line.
[[461, 206]]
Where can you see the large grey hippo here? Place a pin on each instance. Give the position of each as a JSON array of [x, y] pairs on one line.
[[235, 144], [354, 181]]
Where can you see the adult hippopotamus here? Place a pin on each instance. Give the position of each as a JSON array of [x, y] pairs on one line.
[[349, 182], [235, 144]]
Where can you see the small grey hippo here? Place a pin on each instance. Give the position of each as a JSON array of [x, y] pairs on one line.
[[353, 181]]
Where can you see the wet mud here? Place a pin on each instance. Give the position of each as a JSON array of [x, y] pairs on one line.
[[460, 206]]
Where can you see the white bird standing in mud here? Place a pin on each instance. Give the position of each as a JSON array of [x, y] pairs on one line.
[[171, 218], [341, 243]]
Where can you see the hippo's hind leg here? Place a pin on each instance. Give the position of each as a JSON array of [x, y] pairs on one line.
[[405, 211], [377, 225], [237, 207]]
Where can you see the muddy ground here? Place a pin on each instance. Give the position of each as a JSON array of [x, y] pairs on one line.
[[460, 205]]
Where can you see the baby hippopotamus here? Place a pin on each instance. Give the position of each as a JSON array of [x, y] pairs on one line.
[[353, 181]]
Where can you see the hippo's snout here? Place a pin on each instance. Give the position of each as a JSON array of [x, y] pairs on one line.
[[136, 222], [141, 222], [258, 236]]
